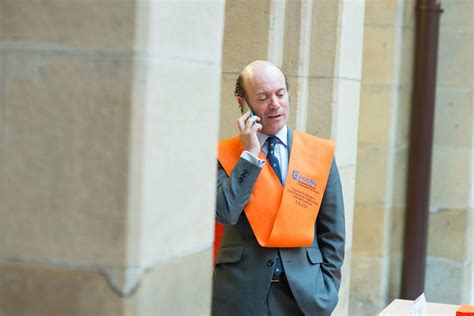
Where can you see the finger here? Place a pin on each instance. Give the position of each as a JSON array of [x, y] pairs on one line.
[[252, 120], [240, 124], [248, 125], [257, 127], [241, 120], [245, 116]]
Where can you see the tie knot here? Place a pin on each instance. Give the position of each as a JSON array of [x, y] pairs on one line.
[[272, 141]]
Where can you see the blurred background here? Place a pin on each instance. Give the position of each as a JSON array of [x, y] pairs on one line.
[[110, 111]]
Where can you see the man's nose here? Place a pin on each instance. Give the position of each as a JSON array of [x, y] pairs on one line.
[[274, 103]]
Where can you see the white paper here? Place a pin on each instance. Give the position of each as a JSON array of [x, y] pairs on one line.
[[419, 307]]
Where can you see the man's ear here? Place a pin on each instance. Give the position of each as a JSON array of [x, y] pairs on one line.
[[240, 101]]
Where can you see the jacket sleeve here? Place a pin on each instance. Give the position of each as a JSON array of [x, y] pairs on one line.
[[234, 191], [330, 227]]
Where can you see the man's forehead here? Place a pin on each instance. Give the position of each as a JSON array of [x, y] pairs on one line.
[[263, 77], [262, 89]]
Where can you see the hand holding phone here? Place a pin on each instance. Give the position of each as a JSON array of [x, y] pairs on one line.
[[248, 132]]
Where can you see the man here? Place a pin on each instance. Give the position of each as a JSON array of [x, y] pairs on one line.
[[283, 243]]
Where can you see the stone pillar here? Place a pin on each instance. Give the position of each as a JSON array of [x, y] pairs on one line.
[[382, 154], [345, 106], [318, 44], [109, 113], [451, 230], [330, 85]]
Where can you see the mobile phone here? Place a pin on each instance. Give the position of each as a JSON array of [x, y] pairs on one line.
[[244, 108]]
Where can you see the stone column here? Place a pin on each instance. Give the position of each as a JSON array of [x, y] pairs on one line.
[[318, 44], [345, 106], [327, 75], [109, 113], [451, 230], [382, 154]]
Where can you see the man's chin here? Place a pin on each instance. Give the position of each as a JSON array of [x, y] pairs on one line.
[[273, 130]]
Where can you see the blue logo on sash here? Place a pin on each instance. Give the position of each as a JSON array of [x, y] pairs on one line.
[[297, 177]]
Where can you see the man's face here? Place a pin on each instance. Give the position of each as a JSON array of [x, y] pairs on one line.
[[268, 97]]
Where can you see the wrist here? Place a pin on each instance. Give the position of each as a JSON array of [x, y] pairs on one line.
[[254, 151]]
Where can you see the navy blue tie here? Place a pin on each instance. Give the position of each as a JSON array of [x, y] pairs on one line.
[[272, 159]]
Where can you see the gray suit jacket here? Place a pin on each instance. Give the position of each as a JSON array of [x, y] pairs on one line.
[[243, 271]]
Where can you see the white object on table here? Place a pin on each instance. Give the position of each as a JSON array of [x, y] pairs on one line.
[[402, 308], [419, 308]]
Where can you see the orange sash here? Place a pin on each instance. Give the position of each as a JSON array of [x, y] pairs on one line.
[[285, 217]]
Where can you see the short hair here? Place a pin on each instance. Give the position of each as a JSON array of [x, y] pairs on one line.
[[239, 90]]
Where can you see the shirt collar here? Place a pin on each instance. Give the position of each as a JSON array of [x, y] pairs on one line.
[[282, 135]]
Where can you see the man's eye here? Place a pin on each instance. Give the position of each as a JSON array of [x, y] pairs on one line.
[[262, 99]]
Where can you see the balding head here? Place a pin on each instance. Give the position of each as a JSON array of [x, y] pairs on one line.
[[250, 72]]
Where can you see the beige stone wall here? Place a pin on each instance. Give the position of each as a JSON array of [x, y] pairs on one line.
[[382, 158], [451, 231], [318, 44], [103, 210], [382, 154]]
